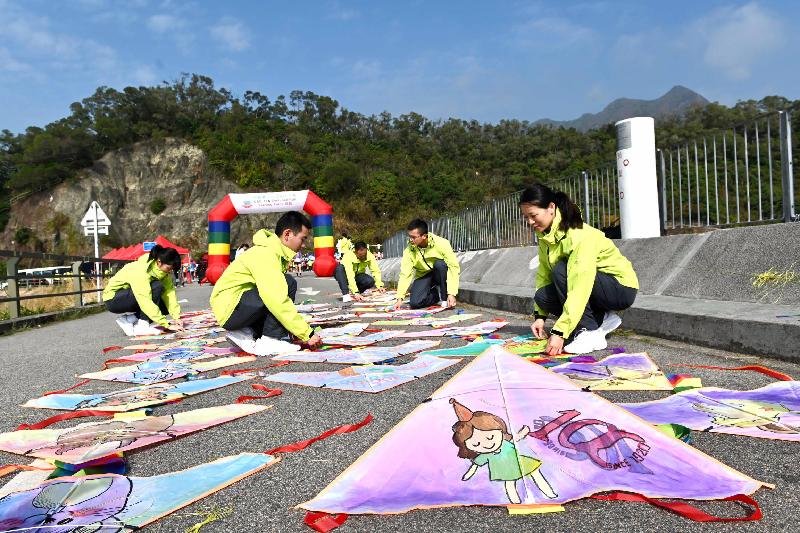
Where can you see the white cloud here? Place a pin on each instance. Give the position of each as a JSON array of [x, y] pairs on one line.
[[8, 63], [144, 75], [366, 69], [342, 13], [231, 34], [164, 23], [736, 39], [551, 32]]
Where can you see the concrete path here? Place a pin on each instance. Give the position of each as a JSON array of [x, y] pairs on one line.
[[50, 357]]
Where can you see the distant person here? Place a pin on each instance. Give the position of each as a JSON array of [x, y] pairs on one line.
[[193, 269], [254, 297], [241, 249], [344, 244], [298, 263], [351, 273], [143, 291], [429, 267], [582, 277]]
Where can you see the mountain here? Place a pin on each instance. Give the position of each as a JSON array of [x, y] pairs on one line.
[[676, 101]]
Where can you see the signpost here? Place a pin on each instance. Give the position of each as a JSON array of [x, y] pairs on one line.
[[96, 222]]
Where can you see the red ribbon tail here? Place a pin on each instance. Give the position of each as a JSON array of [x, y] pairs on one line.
[[255, 369], [64, 416], [686, 510], [303, 444], [258, 386], [111, 348], [109, 362], [62, 391], [755, 368], [10, 469], [324, 522]]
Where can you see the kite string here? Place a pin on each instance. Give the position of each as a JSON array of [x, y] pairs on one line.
[[755, 368]]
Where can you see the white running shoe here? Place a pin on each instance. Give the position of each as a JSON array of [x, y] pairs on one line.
[[243, 339], [346, 298], [587, 341], [143, 327], [611, 321], [269, 346], [126, 322]]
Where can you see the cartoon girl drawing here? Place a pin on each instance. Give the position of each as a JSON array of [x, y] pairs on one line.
[[150, 393], [765, 416], [483, 438]]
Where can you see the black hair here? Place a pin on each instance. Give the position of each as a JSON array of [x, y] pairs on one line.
[[345, 234], [541, 196], [292, 220], [360, 245], [169, 256], [419, 224]]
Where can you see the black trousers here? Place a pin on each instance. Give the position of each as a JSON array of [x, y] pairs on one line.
[[251, 312], [607, 295], [431, 288], [363, 281], [125, 302]]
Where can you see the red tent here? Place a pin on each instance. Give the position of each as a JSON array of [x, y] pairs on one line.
[[137, 250]]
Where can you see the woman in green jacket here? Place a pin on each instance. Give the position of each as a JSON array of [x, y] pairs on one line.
[[582, 276], [143, 292]]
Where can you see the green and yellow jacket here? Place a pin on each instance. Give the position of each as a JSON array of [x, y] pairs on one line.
[[344, 245], [261, 267], [137, 276], [587, 251], [353, 266], [417, 262]]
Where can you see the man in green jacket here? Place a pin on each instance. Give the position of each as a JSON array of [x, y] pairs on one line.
[[429, 267], [254, 297], [351, 272]]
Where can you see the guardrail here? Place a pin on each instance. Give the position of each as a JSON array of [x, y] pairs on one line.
[[14, 281]]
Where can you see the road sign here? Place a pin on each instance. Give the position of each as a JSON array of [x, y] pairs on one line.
[[101, 230], [95, 210], [148, 245]]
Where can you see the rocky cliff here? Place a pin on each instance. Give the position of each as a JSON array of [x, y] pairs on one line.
[[125, 183]]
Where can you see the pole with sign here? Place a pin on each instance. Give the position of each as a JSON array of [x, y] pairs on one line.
[[94, 222]]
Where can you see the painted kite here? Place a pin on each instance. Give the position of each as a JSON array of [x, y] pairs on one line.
[[504, 432], [370, 354], [635, 371]]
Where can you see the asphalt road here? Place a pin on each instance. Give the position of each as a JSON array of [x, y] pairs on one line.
[[50, 357]]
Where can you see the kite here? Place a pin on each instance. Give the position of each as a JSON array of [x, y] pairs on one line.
[[484, 328], [148, 372], [634, 371], [370, 354], [110, 502], [182, 335], [177, 354], [366, 340], [93, 440], [526, 345], [505, 432], [428, 321], [135, 397], [367, 378], [390, 312], [312, 308], [351, 329], [188, 343], [771, 412], [476, 347]]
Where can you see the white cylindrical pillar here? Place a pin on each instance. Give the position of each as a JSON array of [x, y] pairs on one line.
[[638, 185]]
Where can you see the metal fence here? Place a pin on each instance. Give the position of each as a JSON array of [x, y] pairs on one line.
[[596, 192], [15, 281], [743, 175]]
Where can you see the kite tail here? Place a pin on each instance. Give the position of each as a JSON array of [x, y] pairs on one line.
[[686, 510]]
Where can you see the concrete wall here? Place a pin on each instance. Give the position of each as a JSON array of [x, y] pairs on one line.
[[718, 265]]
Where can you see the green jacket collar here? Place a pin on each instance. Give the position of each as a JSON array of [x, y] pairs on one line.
[[431, 243], [271, 241], [152, 268], [554, 234]]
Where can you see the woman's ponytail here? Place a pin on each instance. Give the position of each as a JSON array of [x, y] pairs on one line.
[[541, 196], [170, 256]]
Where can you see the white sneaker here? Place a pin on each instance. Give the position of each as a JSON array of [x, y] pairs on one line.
[[269, 346], [587, 341], [243, 339], [346, 298], [126, 322], [611, 321], [143, 327]]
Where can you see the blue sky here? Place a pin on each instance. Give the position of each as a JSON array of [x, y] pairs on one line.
[[484, 60]]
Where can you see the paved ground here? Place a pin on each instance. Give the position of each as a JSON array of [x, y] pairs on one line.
[[51, 356]]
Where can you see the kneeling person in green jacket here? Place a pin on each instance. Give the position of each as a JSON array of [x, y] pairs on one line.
[[429, 267], [254, 297], [143, 292], [582, 276], [351, 272]]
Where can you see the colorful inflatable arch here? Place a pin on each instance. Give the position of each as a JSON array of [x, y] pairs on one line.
[[219, 225]]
